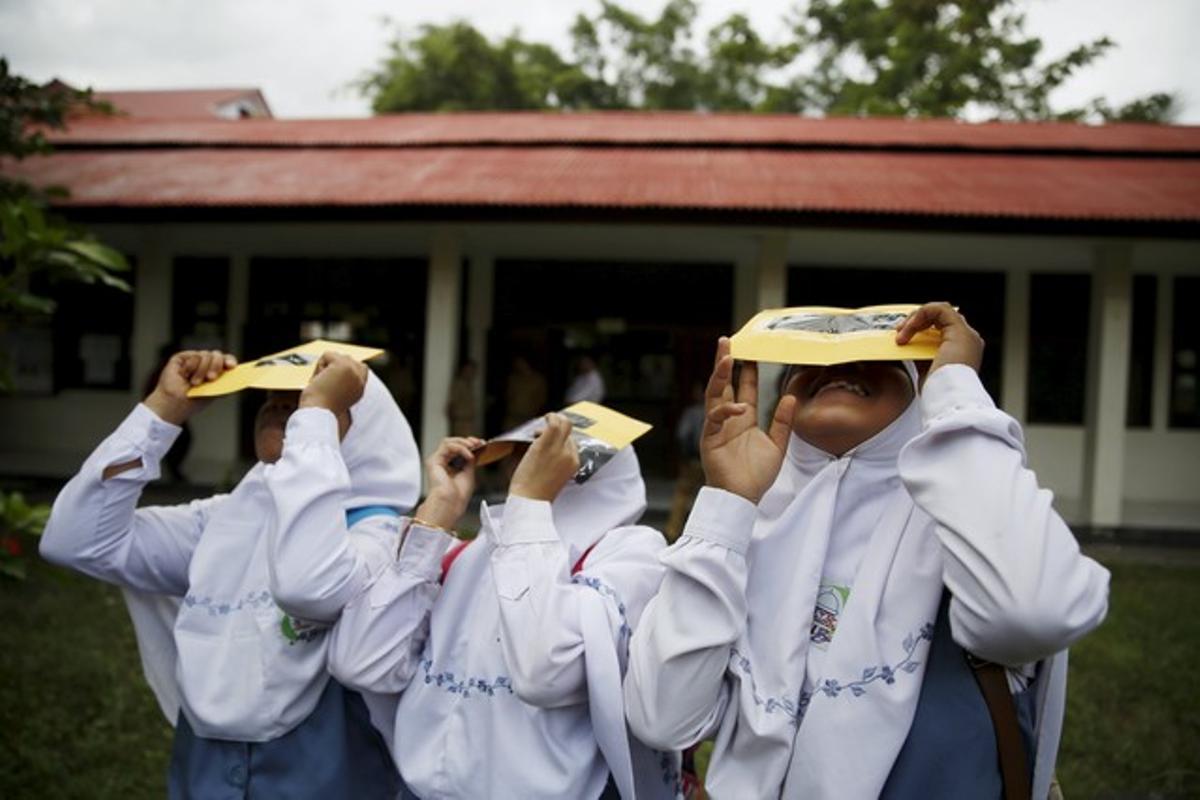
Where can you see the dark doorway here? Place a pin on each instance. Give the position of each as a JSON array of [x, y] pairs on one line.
[[652, 329], [369, 301]]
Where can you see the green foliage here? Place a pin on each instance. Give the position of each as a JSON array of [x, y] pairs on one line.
[[914, 58], [34, 242], [20, 525]]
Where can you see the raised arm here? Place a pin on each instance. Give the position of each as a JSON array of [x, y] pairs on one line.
[[675, 690], [340, 450], [95, 526], [377, 641], [540, 616], [1021, 590]]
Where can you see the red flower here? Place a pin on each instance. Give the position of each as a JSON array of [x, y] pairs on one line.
[[11, 545]]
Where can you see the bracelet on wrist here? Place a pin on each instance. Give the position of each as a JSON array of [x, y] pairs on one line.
[[424, 523]]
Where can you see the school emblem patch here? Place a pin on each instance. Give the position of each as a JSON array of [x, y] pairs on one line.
[[297, 630], [831, 599]]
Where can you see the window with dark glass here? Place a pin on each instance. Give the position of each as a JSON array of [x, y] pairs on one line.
[[199, 295], [1059, 315], [92, 335], [1185, 353], [370, 301], [1139, 408]]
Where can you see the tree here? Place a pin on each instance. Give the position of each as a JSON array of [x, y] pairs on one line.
[[941, 58], [916, 58], [33, 241], [36, 243]]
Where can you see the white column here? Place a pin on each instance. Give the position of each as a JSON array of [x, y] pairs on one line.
[[480, 282], [1160, 394], [1108, 378], [1014, 380], [442, 315], [745, 291], [770, 268]]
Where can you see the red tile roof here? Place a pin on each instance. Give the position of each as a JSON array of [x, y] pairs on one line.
[[735, 165], [189, 104], [634, 128]]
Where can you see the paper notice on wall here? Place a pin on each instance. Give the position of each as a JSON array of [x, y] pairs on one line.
[[99, 353], [598, 431], [825, 335], [285, 370]]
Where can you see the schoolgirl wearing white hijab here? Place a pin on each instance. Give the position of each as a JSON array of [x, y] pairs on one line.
[[508, 651], [815, 610], [243, 676]]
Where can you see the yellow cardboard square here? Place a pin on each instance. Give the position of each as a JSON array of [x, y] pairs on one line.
[[589, 420], [286, 370], [823, 335]]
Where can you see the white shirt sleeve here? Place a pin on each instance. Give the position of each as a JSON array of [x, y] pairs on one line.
[[1021, 590], [96, 528], [675, 690], [376, 643], [539, 598], [316, 565]]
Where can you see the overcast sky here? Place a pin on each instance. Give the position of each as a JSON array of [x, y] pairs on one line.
[[302, 53]]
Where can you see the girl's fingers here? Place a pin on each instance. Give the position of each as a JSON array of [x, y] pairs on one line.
[[938, 315], [781, 422], [216, 365], [748, 384], [718, 389], [718, 414]]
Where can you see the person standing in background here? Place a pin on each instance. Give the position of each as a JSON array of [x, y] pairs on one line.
[[588, 384], [460, 405], [524, 393], [691, 472]]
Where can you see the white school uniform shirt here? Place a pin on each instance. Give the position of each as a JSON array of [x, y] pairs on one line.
[[511, 685], [239, 665], [947, 502]]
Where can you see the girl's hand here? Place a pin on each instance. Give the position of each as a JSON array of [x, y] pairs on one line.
[[737, 456], [450, 487], [961, 344], [186, 369], [551, 461]]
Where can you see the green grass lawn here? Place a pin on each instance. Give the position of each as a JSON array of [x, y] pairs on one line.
[[76, 719]]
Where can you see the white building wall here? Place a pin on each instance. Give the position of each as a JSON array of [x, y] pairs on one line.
[[51, 435]]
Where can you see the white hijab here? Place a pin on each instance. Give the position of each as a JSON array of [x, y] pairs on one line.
[[226, 661], [464, 624], [831, 726]]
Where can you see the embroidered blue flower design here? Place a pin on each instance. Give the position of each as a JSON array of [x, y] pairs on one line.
[[831, 687], [607, 591], [257, 599], [888, 673], [446, 680], [771, 705]]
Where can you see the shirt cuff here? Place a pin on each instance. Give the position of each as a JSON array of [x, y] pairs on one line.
[[952, 388], [148, 433], [312, 426], [525, 522], [422, 551], [723, 518]]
